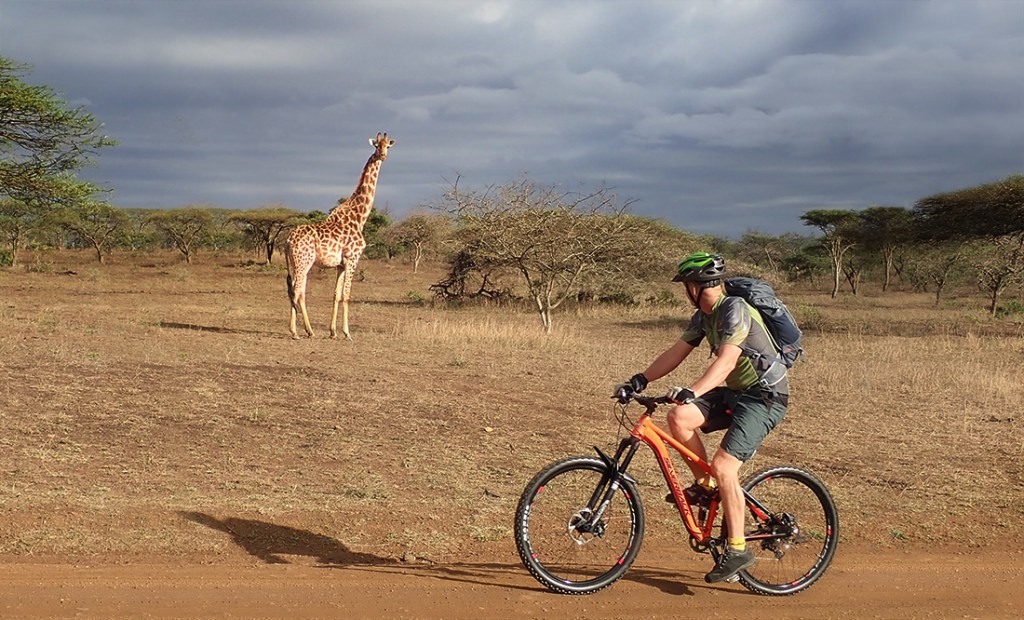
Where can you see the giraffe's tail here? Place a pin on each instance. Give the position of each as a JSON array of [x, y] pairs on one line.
[[288, 278]]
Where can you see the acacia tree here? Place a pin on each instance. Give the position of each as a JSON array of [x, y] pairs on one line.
[[43, 143], [17, 218], [549, 236], [140, 233], [806, 264], [769, 251], [1002, 266], [186, 229], [421, 233], [837, 227], [265, 226], [757, 247], [884, 230], [992, 212], [937, 263], [853, 265], [97, 224]]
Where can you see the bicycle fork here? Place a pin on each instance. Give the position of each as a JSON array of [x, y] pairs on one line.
[[615, 473]]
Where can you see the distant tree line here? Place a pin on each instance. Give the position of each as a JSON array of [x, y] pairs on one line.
[[518, 240], [973, 234], [104, 228]]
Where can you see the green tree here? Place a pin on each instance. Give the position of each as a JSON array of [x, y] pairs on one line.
[[17, 220], [420, 233], [937, 263], [993, 212], [264, 227], [96, 224], [376, 247], [186, 229], [767, 251], [837, 226], [140, 234], [43, 142], [884, 230], [806, 264], [1001, 265], [989, 210], [855, 263]]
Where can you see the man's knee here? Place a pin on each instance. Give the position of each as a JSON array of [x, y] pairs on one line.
[[686, 417], [725, 465]]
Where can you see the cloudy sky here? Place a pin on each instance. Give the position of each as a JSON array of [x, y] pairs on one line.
[[721, 117]]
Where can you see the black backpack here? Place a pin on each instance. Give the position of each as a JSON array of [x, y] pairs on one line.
[[781, 325]]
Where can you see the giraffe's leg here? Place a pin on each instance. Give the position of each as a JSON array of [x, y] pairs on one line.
[[291, 303], [344, 300], [338, 285], [302, 307], [298, 290], [291, 322]]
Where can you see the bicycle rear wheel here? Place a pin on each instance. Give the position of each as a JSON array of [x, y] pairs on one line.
[[793, 533], [560, 539]]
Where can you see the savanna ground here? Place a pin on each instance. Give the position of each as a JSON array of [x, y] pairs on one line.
[[168, 451]]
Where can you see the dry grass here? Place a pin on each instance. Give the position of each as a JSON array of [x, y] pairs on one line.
[[154, 408]]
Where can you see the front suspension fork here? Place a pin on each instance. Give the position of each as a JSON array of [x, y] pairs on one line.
[[615, 473]]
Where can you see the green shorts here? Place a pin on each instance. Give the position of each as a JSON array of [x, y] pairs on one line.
[[749, 416]]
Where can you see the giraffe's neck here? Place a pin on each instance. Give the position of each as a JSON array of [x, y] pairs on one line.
[[360, 203]]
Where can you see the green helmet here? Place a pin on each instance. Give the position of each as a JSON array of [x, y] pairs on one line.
[[701, 267]]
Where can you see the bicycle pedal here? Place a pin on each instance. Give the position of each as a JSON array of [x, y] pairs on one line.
[[733, 579]]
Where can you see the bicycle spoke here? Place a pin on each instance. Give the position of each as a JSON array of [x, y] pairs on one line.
[[563, 544], [794, 543]]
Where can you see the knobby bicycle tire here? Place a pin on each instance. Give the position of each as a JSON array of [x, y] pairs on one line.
[[561, 547], [804, 509]]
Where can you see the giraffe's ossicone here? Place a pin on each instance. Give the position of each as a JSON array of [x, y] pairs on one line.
[[336, 242]]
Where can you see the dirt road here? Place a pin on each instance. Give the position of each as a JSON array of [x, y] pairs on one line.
[[859, 585]]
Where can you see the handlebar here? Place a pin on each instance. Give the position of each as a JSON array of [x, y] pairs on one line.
[[650, 402]]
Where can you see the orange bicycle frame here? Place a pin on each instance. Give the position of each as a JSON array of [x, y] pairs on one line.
[[646, 431]]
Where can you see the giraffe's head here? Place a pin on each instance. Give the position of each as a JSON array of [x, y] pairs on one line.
[[382, 144]]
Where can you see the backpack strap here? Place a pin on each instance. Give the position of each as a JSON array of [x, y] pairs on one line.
[[770, 370]]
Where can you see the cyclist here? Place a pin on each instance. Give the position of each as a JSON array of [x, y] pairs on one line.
[[750, 404]]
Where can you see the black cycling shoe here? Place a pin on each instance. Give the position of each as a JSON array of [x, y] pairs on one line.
[[696, 495], [730, 564]]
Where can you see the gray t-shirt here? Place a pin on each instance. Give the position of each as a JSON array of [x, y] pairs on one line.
[[734, 321]]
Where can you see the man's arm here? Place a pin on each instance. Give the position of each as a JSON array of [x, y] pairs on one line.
[[714, 376], [669, 360]]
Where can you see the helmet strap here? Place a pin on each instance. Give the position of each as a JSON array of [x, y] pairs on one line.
[[694, 300]]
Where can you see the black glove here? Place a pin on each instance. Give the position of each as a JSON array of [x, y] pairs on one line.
[[684, 396], [636, 384]]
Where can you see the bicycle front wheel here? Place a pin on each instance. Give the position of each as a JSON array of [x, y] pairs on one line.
[[568, 544], [794, 533]]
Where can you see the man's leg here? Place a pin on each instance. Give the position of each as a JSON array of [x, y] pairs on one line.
[[727, 472], [735, 557], [683, 422]]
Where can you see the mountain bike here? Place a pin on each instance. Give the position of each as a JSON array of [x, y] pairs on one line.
[[580, 521]]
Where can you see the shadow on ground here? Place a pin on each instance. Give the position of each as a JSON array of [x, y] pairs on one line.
[[271, 542], [212, 328]]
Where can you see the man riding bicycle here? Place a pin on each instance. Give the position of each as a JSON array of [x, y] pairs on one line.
[[749, 405]]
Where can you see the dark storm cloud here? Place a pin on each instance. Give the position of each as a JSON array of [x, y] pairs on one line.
[[719, 116]]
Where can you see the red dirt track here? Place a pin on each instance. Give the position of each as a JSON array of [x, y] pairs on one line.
[[860, 584]]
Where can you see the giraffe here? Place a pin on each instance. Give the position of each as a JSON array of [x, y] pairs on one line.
[[336, 242]]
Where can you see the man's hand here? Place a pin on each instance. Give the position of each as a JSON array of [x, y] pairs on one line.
[[683, 396], [636, 384]]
